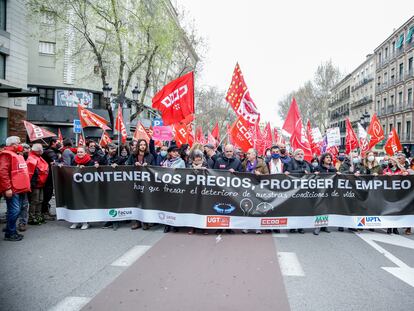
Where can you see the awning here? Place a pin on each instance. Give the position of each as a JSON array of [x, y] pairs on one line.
[[410, 35], [13, 91]]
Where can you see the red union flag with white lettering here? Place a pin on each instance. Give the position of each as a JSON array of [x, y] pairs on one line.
[[182, 134], [393, 143], [241, 135], [238, 97], [88, 118], [375, 131], [105, 139], [141, 133], [120, 126], [36, 132], [176, 99]]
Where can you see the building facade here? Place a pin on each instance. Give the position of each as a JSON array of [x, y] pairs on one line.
[[394, 82], [13, 68], [340, 104]]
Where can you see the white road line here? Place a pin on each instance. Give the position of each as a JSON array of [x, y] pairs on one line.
[[279, 235], [131, 256], [289, 264], [71, 304]]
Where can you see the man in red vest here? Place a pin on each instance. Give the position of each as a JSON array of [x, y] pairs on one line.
[[38, 172], [14, 184]]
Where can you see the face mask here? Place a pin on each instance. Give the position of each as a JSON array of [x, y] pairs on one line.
[[299, 158], [385, 163], [282, 151], [275, 156], [92, 150], [314, 164], [163, 153], [187, 152], [268, 154], [355, 160], [341, 159], [371, 158]]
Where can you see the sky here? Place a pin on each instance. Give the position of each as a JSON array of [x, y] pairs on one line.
[[279, 44]]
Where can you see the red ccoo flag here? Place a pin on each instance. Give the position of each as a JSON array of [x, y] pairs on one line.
[[238, 97], [105, 139], [88, 118], [315, 147], [393, 143], [36, 132], [199, 136], [375, 131], [293, 126], [176, 99], [183, 134], [141, 133], [351, 141], [240, 135], [120, 126]]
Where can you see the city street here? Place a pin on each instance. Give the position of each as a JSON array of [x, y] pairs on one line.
[[55, 268]]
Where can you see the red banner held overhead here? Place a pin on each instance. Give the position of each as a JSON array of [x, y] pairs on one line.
[[176, 100], [88, 118], [375, 131], [141, 133], [293, 126], [393, 143], [240, 134], [351, 140], [238, 97], [105, 139], [120, 126], [216, 132], [36, 132]]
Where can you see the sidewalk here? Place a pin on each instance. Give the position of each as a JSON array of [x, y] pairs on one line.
[[3, 208]]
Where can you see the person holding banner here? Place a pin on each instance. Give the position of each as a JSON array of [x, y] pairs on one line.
[[14, 185], [82, 159], [228, 161], [158, 157], [275, 165], [297, 165], [68, 152], [284, 156], [352, 165], [96, 153], [371, 165], [211, 155], [173, 158]]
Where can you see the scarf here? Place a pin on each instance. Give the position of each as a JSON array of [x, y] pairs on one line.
[[251, 167], [82, 161], [170, 162], [74, 150]]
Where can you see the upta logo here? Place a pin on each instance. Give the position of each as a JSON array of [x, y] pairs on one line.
[[113, 213], [321, 220], [368, 221]]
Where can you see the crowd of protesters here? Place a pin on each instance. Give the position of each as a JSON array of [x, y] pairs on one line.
[[26, 182]]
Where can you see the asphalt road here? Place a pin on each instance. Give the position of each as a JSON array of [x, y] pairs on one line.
[[55, 268]]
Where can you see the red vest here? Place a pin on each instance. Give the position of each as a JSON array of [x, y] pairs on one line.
[[19, 175], [34, 161]]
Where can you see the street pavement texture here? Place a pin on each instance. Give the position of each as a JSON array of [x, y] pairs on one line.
[[55, 268]]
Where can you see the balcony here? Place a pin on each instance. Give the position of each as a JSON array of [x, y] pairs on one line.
[[390, 109], [362, 83], [363, 101], [399, 52], [409, 74], [400, 78], [409, 46]]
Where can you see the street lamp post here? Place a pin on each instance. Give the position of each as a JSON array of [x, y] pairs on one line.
[[364, 120]]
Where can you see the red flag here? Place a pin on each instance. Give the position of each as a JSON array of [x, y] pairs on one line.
[[88, 118], [105, 139], [36, 132], [199, 136], [351, 140], [81, 140], [315, 147], [275, 136], [141, 133], [334, 151], [60, 137], [393, 143], [176, 99], [150, 131], [240, 134], [120, 126], [211, 139], [293, 125], [216, 132], [183, 134], [375, 131], [238, 97]]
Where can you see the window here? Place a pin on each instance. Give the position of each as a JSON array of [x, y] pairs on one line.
[[47, 18], [400, 41], [390, 127], [400, 97], [386, 53], [408, 130], [47, 47], [401, 70], [3, 15], [410, 66], [46, 96], [399, 129], [410, 96], [410, 34], [392, 100], [2, 66]]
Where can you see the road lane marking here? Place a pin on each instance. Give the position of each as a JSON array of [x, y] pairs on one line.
[[131, 256], [289, 264], [403, 272], [279, 235], [71, 304]]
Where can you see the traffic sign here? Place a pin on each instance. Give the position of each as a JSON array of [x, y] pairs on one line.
[[157, 122], [77, 128]]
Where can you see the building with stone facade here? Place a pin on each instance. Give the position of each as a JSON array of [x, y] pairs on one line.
[[394, 82]]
